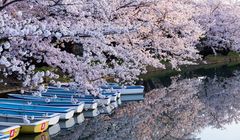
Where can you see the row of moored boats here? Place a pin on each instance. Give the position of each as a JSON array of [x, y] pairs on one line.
[[33, 111]]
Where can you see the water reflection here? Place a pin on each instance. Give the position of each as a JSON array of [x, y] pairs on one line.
[[67, 124], [41, 136], [54, 130], [79, 118]]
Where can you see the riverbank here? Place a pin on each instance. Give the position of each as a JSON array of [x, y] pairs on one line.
[[208, 62]]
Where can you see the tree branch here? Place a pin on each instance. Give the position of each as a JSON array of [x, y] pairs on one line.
[[5, 4]]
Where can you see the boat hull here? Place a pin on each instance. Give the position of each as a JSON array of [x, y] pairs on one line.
[[91, 106], [67, 115], [128, 91], [54, 120], [79, 109], [34, 129]]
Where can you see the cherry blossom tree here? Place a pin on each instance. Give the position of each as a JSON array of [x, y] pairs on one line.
[[119, 38], [221, 22]]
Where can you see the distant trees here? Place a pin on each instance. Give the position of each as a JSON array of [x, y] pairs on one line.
[[118, 38]]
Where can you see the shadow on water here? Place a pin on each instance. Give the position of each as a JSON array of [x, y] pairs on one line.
[[191, 105], [159, 79]]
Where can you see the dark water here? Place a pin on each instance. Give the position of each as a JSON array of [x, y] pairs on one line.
[[200, 104]]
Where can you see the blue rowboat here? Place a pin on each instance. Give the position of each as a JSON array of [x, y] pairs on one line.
[[65, 113], [78, 106], [114, 87], [66, 90], [112, 96], [88, 103], [105, 101], [56, 90], [117, 94], [79, 97], [52, 117]]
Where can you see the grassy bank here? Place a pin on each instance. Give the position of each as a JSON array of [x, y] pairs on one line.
[[209, 62]]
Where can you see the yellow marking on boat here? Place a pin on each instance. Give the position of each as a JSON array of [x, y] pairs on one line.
[[13, 132], [34, 128]]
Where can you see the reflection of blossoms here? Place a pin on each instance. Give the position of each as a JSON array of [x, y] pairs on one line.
[[221, 100], [166, 113]]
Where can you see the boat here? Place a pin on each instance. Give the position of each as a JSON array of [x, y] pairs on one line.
[[78, 106], [114, 87], [27, 126], [88, 104], [53, 89], [52, 117], [113, 97], [118, 94], [9, 132], [104, 101], [132, 97], [65, 113], [77, 96]]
